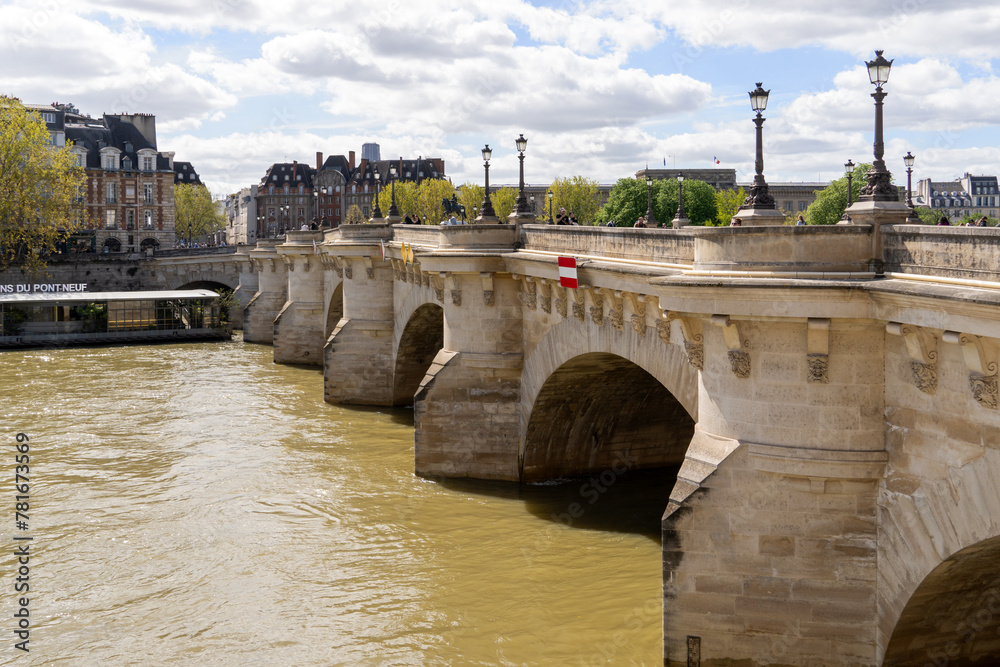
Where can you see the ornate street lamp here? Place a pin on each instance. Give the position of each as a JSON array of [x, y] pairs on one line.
[[912, 215], [551, 219], [680, 220], [393, 211], [488, 212], [879, 186], [759, 197], [849, 172], [376, 210], [522, 202], [650, 218]]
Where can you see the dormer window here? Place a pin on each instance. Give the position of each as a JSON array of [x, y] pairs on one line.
[[286, 177], [110, 161]]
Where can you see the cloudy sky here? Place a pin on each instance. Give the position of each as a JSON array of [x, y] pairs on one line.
[[599, 88]]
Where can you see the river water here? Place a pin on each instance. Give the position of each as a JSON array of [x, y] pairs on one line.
[[197, 504]]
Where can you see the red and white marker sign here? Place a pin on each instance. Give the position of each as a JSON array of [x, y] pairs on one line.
[[567, 272]]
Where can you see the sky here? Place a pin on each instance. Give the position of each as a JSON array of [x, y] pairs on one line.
[[599, 88]]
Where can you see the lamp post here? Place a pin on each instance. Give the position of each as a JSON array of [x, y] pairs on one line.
[[376, 211], [522, 202], [393, 211], [760, 197], [680, 219], [650, 218], [879, 186], [551, 219], [908, 160], [849, 172], [488, 214]]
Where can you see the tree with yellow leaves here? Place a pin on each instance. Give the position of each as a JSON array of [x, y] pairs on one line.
[[39, 188]]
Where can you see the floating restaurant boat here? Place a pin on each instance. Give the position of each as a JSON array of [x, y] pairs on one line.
[[60, 319]]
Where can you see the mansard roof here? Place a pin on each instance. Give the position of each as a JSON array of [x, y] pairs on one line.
[[277, 172], [184, 173]]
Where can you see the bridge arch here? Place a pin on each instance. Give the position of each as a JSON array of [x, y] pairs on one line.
[[599, 411], [939, 585], [953, 618], [334, 310], [575, 360], [419, 342], [213, 285]]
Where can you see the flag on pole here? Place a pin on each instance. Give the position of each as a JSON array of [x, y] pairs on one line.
[[567, 272], [664, 162], [382, 244], [716, 160]]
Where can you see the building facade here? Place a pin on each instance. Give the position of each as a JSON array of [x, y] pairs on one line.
[[969, 195], [127, 201], [241, 217]]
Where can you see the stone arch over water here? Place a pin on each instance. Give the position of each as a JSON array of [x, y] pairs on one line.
[[334, 310], [213, 285], [420, 341], [599, 411], [939, 579], [953, 618]]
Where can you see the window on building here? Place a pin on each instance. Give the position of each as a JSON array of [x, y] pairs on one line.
[[48, 117], [129, 191], [81, 159], [110, 221], [286, 189], [302, 213], [147, 219], [110, 161], [802, 206], [302, 188], [130, 219], [111, 193], [788, 206], [147, 193], [147, 163]]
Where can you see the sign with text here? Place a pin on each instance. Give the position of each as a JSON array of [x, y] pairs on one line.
[[27, 288]]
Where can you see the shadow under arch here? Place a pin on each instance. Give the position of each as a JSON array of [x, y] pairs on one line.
[[215, 286], [953, 618], [335, 310], [600, 412], [422, 338]]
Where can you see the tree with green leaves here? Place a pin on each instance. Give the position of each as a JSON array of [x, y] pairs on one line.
[[578, 195], [429, 197], [831, 201], [927, 216], [354, 216], [470, 195], [504, 201], [699, 202], [39, 188], [627, 201], [195, 213], [727, 202]]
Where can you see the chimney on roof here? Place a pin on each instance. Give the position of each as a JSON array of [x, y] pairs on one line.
[[295, 168], [319, 160], [350, 156]]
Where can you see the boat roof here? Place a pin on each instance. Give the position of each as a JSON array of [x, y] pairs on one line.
[[91, 297]]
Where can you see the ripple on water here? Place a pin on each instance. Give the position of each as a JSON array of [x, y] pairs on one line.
[[199, 504]]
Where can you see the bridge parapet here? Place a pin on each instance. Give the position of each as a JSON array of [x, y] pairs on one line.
[[786, 250], [649, 245], [971, 253], [499, 238]]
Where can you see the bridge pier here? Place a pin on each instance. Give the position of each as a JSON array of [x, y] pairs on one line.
[[298, 327], [245, 289], [466, 410], [358, 356], [271, 295], [769, 549]]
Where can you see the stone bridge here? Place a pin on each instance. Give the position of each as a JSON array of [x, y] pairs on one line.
[[827, 396]]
